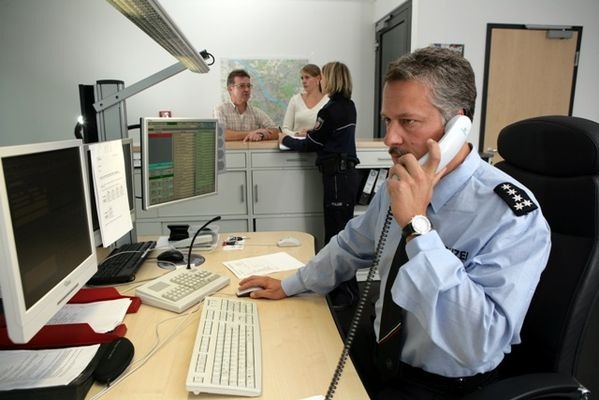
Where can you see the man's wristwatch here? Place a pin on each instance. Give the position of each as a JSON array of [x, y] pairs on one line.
[[419, 225]]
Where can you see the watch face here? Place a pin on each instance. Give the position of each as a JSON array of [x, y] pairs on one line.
[[421, 224]]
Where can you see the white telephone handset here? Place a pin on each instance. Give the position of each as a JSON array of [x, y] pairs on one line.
[[456, 133]]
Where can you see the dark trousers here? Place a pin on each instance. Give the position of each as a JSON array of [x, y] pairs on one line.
[[339, 199], [409, 383], [340, 191]]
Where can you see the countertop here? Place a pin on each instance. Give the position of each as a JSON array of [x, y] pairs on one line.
[[274, 145]]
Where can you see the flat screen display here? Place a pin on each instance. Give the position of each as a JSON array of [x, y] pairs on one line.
[[179, 159], [47, 251]]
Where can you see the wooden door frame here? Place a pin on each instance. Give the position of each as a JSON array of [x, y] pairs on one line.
[[490, 27]]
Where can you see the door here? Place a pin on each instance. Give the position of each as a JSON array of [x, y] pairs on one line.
[[392, 41], [529, 71]]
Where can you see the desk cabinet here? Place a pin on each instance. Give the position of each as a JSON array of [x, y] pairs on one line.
[[262, 190], [287, 193], [231, 203]]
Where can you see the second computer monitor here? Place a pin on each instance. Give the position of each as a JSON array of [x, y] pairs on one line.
[[179, 159]]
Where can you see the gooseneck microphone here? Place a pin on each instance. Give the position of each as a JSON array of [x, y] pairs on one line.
[[194, 238]]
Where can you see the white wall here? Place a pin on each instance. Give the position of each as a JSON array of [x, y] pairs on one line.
[[465, 21], [49, 47]]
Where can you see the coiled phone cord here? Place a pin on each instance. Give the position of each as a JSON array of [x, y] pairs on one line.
[[360, 308]]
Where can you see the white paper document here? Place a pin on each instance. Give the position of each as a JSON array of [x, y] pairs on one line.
[[110, 189], [263, 265], [23, 369], [102, 316]]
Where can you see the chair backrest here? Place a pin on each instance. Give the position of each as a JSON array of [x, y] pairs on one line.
[[557, 157]]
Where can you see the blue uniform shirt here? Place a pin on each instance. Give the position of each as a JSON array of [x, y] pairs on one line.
[[468, 283]]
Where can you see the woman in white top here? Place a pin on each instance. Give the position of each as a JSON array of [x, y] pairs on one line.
[[303, 107]]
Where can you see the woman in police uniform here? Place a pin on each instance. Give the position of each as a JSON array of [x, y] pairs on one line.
[[333, 138]]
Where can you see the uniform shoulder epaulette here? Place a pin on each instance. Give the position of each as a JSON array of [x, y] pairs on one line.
[[318, 124], [516, 198]]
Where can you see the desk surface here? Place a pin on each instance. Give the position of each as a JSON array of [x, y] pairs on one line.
[[300, 342]]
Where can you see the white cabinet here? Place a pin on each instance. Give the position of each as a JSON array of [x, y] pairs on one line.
[[262, 190], [287, 193], [231, 203], [284, 183], [230, 199]]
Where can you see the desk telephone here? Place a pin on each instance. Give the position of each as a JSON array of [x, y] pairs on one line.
[[456, 133]]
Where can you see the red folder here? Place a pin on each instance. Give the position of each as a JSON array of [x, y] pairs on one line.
[[51, 336]]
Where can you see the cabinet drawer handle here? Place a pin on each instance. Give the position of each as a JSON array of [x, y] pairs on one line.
[[295, 160], [256, 193], [383, 158], [242, 194]]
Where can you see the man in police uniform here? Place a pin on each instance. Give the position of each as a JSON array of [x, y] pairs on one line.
[[467, 244]]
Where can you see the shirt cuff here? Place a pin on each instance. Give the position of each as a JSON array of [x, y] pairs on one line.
[[292, 285], [433, 270], [428, 241]]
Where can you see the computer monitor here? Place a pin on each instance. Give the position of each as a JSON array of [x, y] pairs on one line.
[[129, 168], [178, 159], [47, 250]]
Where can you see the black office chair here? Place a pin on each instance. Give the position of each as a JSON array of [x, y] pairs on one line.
[[557, 157]]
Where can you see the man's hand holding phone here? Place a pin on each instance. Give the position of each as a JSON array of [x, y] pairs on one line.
[[410, 185]]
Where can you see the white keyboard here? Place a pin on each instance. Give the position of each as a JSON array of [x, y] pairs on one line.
[[180, 289], [227, 354]]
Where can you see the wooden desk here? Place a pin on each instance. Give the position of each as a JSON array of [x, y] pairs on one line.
[[300, 343]]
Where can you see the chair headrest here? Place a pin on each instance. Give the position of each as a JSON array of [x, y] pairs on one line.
[[554, 145]]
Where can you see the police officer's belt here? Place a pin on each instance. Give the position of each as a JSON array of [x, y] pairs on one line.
[[335, 165]]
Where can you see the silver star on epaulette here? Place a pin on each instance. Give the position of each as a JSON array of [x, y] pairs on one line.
[[516, 198]]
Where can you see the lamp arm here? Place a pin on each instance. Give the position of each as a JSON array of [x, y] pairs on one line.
[[137, 87]]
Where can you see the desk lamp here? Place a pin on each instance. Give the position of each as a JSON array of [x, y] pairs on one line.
[[150, 17]]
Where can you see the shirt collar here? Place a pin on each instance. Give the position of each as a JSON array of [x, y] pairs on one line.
[[236, 109], [454, 181]]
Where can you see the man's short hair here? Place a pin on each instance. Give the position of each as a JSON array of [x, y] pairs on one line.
[[242, 73], [447, 74]]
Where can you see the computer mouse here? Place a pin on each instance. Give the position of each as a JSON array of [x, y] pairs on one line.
[[289, 242], [246, 292], [170, 255]]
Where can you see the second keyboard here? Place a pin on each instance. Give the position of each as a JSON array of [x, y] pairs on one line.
[[122, 263], [180, 289]]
